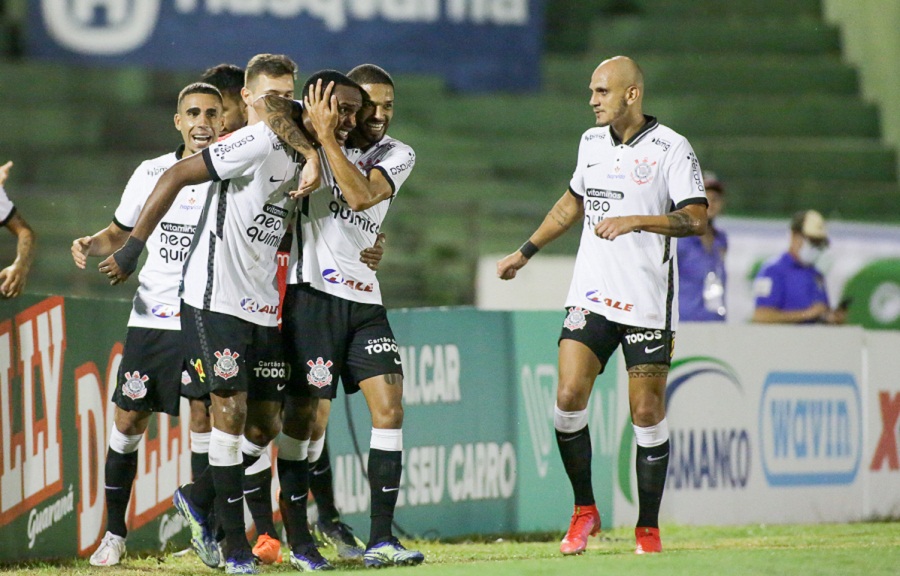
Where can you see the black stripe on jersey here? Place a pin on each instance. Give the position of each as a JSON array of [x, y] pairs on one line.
[[386, 177], [13, 213], [575, 194], [207, 159], [210, 269], [221, 208], [690, 201], [115, 221], [670, 293]]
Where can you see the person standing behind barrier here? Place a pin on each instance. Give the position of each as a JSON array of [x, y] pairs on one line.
[[14, 276], [630, 171], [702, 277], [152, 370], [789, 289]]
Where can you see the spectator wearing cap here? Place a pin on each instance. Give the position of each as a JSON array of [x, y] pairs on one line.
[[701, 264], [790, 289]]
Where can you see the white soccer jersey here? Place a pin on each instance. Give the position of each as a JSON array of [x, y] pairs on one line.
[[331, 235], [156, 303], [231, 265], [7, 208], [631, 280]]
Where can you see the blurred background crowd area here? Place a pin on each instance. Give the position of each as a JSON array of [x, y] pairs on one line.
[[792, 103]]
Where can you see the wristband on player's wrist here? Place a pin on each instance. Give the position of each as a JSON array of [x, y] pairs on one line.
[[127, 256], [528, 249]]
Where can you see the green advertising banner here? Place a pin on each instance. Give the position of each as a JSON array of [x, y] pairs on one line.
[[544, 498]]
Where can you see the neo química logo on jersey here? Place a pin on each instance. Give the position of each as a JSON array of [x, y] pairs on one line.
[[810, 428]]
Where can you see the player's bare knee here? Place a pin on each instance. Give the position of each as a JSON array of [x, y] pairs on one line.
[[572, 398], [388, 417]]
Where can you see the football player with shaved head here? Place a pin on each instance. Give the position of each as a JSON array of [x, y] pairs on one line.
[[637, 186]]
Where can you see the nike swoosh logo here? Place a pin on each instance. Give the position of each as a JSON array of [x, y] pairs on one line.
[[233, 500], [112, 487], [252, 491], [280, 387], [320, 472], [649, 350], [592, 165], [398, 361], [386, 489], [296, 498], [273, 180], [569, 439], [652, 459]]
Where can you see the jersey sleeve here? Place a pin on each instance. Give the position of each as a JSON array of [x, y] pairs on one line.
[[138, 189], [683, 175], [239, 155], [397, 165], [7, 208]]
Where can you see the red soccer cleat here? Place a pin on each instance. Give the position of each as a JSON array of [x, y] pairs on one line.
[[585, 522], [648, 541]]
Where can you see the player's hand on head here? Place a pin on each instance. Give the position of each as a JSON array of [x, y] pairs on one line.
[[80, 249], [372, 255], [4, 171], [322, 109]]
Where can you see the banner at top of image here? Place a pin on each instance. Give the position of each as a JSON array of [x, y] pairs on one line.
[[475, 45]]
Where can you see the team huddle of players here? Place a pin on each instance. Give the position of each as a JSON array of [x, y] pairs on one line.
[[204, 324]]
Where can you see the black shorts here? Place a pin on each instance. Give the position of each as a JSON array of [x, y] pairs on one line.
[[326, 337], [602, 336], [224, 352], [151, 372]]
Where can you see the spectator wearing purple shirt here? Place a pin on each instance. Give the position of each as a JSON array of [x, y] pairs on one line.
[[789, 289], [701, 264]]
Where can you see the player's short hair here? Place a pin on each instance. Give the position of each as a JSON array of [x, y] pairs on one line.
[[370, 74], [198, 88], [228, 78], [273, 65], [338, 78]]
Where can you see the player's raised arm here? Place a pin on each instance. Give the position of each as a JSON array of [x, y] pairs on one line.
[[186, 172], [567, 211], [284, 116], [332, 116]]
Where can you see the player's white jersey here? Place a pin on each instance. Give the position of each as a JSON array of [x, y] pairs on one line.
[[231, 265], [156, 303], [7, 208], [631, 280], [331, 235]]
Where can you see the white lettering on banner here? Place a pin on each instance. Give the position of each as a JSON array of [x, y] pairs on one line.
[[31, 458], [432, 375], [479, 471], [100, 27], [716, 458], [335, 14], [41, 520]]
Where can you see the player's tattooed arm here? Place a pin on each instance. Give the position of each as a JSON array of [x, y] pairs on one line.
[[283, 116], [681, 224], [691, 220]]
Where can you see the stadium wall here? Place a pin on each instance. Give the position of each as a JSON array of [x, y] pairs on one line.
[[872, 43], [769, 424]]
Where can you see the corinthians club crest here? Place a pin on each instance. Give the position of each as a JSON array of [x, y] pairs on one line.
[[577, 318], [319, 372], [135, 385], [643, 171], [226, 366]]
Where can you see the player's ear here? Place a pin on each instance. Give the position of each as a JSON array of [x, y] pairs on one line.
[[245, 96], [178, 122]]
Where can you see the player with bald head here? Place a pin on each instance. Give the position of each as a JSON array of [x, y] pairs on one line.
[[631, 171]]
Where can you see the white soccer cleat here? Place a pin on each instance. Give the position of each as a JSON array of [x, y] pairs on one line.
[[110, 552]]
